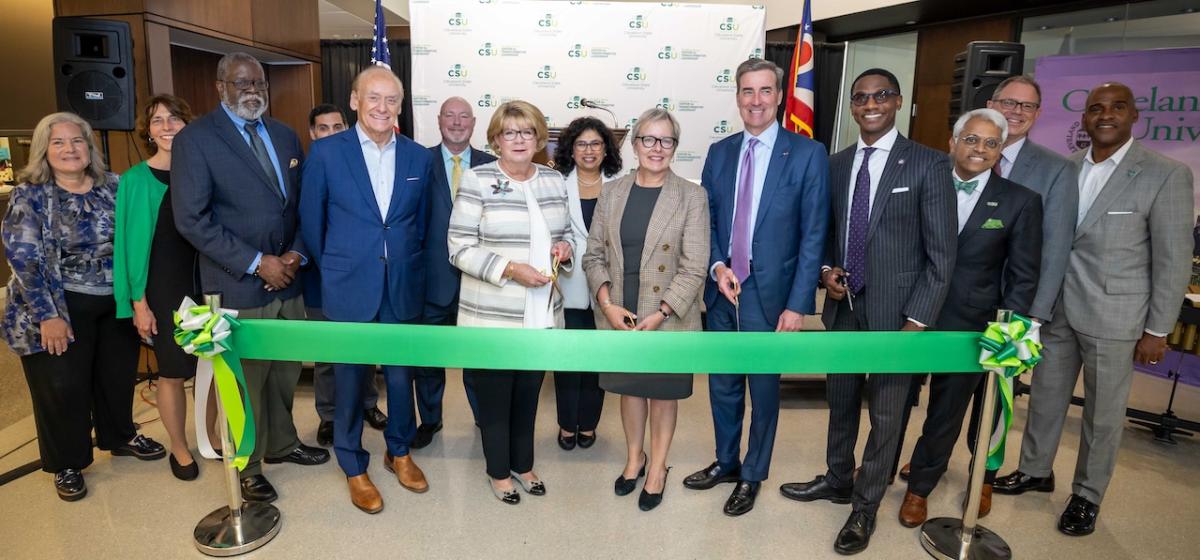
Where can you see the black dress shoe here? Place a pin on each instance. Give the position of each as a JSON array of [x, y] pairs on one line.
[[302, 455], [818, 489], [1020, 483], [648, 501], [181, 472], [375, 417], [623, 486], [585, 441], [424, 435], [710, 476], [742, 498], [256, 488], [1079, 519], [69, 484], [855, 534], [567, 443], [325, 433], [141, 447]]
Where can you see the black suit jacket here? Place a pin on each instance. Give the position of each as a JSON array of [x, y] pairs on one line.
[[997, 267], [227, 207], [442, 277], [910, 237]]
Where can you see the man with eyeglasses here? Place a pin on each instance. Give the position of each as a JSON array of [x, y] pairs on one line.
[[888, 265], [456, 122], [235, 188], [1127, 272], [768, 193], [998, 258]]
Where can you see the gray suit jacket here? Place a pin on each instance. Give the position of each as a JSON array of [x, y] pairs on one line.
[[1132, 255], [1056, 179], [911, 238]]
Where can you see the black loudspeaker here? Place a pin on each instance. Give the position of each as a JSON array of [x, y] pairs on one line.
[[979, 70], [93, 71]]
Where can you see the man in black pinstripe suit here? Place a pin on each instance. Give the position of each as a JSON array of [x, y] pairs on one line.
[[888, 265]]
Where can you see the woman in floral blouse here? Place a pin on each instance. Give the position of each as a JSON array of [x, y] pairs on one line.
[[80, 361]]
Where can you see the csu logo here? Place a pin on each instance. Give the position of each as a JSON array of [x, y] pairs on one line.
[[546, 73], [629, 124], [665, 103], [487, 101], [724, 77], [547, 21], [639, 22], [729, 25], [457, 20], [636, 75], [756, 53], [573, 103], [457, 71], [488, 50], [577, 51], [667, 53], [723, 127]]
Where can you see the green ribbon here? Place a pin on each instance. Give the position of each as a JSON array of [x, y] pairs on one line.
[[1008, 349], [205, 332]]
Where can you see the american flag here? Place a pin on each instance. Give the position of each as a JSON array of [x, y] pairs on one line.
[[380, 55], [798, 117]]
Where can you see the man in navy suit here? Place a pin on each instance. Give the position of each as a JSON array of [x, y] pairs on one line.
[[452, 157], [768, 193], [235, 189], [364, 208]]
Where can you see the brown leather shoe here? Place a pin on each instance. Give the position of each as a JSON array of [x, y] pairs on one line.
[[407, 472], [913, 511], [364, 495], [985, 501]]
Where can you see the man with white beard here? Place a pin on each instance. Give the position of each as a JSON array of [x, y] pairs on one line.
[[235, 191]]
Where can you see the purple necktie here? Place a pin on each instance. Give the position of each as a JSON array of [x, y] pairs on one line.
[[860, 216], [739, 251]]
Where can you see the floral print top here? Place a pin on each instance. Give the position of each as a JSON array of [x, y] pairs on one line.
[[85, 230]]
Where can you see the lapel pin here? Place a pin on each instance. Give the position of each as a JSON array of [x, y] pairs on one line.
[[293, 163], [993, 203], [899, 162], [1133, 172]]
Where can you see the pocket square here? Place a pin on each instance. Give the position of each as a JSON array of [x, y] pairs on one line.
[[414, 179], [899, 190], [992, 223], [1120, 212], [293, 163]]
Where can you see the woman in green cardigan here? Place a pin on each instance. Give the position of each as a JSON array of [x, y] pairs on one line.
[[154, 268]]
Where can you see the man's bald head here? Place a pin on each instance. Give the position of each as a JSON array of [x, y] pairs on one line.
[[456, 121], [1108, 117]]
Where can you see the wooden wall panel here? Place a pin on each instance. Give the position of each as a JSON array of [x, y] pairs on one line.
[[232, 17], [29, 61], [936, 47], [293, 95], [288, 24], [96, 7], [194, 75]]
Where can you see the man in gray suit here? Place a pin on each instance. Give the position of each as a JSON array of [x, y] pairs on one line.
[[1126, 276], [235, 188], [890, 255]]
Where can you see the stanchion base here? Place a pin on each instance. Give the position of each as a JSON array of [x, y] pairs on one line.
[[216, 536], [942, 539]]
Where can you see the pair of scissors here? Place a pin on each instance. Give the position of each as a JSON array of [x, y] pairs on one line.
[[849, 296], [554, 287]]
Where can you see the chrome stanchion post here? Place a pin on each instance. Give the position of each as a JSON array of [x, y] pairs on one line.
[[947, 538], [239, 527]]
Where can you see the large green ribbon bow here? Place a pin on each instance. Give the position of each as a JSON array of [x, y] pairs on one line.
[[204, 332], [1008, 349]]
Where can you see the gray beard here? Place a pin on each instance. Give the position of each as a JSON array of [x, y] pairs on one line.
[[247, 113]]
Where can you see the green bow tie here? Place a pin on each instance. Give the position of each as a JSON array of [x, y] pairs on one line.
[[966, 186]]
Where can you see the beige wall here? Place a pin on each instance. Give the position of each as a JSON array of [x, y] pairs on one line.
[[28, 77]]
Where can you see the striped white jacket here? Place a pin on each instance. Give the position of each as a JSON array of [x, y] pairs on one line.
[[489, 228]]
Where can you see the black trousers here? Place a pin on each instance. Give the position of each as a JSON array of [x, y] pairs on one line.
[[508, 403], [578, 394], [89, 385]]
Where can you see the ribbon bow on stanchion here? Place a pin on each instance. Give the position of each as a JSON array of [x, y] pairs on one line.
[[204, 332], [1008, 349]]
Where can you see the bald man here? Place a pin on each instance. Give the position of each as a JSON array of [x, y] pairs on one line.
[[364, 207]]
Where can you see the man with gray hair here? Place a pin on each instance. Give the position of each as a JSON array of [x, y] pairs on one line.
[[235, 190], [999, 254]]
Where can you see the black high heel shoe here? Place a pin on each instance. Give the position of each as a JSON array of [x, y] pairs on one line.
[[623, 486], [648, 501]]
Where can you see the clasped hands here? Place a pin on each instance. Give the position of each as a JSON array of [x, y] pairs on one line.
[[278, 272], [530, 277]]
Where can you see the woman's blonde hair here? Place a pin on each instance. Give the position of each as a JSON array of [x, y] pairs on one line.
[[38, 171], [518, 111]]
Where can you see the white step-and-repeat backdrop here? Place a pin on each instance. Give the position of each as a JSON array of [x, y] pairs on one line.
[[627, 57]]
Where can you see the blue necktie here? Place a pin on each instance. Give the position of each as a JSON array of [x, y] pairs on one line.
[[860, 217]]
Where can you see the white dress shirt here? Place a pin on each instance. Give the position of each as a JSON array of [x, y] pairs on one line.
[[883, 147], [1008, 156], [381, 167], [762, 159], [967, 202], [1093, 176]]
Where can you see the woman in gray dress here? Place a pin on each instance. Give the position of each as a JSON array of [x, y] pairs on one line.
[[645, 262]]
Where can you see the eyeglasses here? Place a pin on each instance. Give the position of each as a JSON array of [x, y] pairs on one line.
[[649, 141], [880, 96], [243, 85], [972, 140], [596, 145], [1026, 106], [525, 134]]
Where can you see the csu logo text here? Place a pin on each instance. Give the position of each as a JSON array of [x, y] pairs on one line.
[[639, 22], [457, 71], [488, 50], [722, 127], [574, 102], [636, 75], [729, 25], [546, 73], [548, 21], [457, 20], [667, 53], [577, 51], [665, 103], [724, 77], [487, 101]]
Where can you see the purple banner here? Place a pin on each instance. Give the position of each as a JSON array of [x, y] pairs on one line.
[[1166, 87]]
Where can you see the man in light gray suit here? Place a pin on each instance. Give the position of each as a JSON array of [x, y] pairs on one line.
[[1126, 276]]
